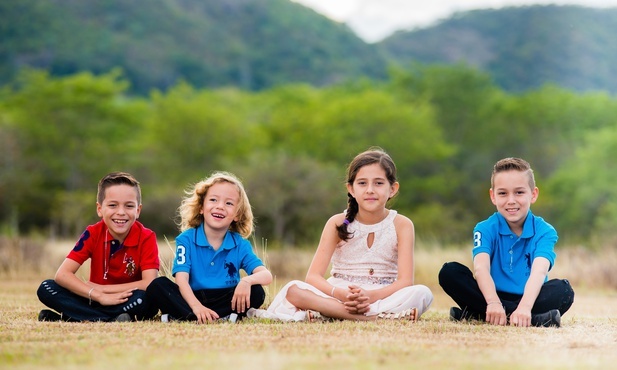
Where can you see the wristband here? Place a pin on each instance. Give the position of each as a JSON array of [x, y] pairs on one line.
[[493, 302], [332, 292], [90, 296]]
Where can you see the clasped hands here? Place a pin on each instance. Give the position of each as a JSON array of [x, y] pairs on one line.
[[357, 300]]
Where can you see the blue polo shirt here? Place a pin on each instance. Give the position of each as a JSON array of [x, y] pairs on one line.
[[210, 269], [512, 256]]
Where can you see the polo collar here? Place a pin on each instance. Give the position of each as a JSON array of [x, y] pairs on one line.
[[201, 240], [528, 226], [131, 240]]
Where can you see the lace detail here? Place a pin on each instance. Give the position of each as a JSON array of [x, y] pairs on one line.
[[366, 279], [354, 257]]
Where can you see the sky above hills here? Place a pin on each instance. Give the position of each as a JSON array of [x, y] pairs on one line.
[[374, 20]]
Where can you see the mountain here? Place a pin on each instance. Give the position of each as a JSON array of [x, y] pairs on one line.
[[521, 47], [257, 44], [252, 44]]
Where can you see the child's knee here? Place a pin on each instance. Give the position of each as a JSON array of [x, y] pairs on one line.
[[46, 290], [294, 295]]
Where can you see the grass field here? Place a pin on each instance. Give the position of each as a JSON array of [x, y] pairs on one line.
[[586, 340]]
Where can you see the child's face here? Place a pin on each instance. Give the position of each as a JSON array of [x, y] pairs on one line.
[[371, 188], [513, 196], [119, 210], [220, 206]]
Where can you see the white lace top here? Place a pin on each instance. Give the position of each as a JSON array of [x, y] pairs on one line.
[[354, 258]]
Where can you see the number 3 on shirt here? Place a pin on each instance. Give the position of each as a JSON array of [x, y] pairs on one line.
[[477, 239], [180, 255]]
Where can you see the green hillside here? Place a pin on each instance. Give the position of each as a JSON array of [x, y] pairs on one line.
[[252, 44], [258, 44], [522, 47]]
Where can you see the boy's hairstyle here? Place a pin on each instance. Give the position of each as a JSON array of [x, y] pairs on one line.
[[117, 178], [371, 156], [189, 210], [516, 164]]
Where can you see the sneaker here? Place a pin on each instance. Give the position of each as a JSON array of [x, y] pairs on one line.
[[123, 317], [409, 314], [456, 314], [49, 315], [547, 319], [232, 318]]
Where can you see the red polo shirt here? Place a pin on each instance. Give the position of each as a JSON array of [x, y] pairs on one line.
[[138, 253]]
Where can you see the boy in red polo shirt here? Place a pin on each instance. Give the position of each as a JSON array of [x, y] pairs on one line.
[[124, 259]]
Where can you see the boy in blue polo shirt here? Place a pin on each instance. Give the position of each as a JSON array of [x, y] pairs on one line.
[[216, 219], [512, 254]]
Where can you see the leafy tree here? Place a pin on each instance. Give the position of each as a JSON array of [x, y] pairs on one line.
[[583, 190], [68, 133], [292, 197]]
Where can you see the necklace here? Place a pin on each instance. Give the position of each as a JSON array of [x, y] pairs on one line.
[[106, 257]]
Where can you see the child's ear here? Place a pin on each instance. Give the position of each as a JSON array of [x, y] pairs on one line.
[[534, 194], [98, 210], [394, 189], [492, 195]]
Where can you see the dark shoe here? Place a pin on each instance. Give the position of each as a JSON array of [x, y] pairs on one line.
[[49, 315], [123, 317], [456, 314], [547, 319]]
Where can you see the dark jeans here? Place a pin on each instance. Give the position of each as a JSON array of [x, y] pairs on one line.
[[165, 294], [77, 308], [458, 282]]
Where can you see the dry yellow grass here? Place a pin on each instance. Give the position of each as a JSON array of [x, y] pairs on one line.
[[588, 338]]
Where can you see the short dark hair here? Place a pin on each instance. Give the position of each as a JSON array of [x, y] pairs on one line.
[[117, 178], [516, 164]]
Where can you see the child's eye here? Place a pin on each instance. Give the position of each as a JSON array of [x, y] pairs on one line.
[[229, 203]]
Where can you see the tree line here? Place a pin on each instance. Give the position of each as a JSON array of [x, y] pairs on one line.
[[445, 126]]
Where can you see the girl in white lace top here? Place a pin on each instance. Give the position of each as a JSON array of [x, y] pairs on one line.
[[371, 249]]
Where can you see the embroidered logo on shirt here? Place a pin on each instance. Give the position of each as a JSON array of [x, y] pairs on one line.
[[130, 265], [231, 269]]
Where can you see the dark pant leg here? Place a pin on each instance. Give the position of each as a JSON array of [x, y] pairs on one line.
[[138, 306], [165, 295], [219, 300], [458, 282], [76, 308], [555, 294]]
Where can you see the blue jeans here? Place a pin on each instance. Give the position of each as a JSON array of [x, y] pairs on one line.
[[77, 308], [458, 282]]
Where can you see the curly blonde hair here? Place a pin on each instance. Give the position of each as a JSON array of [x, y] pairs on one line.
[[189, 210]]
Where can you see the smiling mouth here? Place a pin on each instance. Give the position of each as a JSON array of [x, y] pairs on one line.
[[120, 222], [218, 215]]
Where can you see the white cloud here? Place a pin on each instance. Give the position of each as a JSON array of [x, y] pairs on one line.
[[375, 19]]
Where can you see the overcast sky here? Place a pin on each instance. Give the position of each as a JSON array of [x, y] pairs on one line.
[[374, 20]]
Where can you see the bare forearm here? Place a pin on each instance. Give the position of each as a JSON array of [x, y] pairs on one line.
[[259, 277], [532, 289]]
